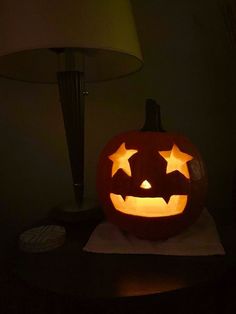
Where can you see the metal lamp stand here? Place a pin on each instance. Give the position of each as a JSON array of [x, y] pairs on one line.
[[71, 89]]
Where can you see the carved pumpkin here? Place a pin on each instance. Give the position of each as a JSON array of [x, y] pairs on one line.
[[151, 183]]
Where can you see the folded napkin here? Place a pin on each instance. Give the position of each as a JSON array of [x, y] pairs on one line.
[[199, 239]]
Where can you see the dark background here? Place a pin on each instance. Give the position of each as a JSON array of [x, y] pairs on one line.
[[189, 51]]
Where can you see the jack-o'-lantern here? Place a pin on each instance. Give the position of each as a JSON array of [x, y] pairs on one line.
[[151, 183]]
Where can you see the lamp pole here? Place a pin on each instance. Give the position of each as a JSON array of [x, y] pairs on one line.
[[70, 85]]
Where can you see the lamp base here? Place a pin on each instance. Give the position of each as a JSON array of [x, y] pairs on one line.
[[72, 213]]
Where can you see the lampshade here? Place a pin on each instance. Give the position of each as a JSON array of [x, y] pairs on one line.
[[34, 32]]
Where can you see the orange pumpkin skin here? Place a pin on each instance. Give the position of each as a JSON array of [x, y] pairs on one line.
[[151, 183], [148, 164]]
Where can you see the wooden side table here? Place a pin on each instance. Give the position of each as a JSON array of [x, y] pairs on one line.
[[71, 279]]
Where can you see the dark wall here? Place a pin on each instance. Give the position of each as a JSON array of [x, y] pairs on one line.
[[189, 69]]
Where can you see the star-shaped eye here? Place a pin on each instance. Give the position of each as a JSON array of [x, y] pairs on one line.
[[176, 160], [121, 159]]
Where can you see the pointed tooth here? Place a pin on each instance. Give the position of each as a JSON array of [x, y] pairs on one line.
[[123, 196], [166, 198]]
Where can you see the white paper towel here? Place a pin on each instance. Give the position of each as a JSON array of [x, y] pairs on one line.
[[199, 239]]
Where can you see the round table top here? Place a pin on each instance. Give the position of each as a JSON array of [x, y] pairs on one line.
[[69, 270]]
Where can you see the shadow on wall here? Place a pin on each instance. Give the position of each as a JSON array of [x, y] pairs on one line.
[[189, 69]]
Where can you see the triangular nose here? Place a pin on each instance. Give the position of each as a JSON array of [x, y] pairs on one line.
[[145, 185]]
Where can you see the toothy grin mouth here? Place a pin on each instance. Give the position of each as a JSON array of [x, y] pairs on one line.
[[149, 206]]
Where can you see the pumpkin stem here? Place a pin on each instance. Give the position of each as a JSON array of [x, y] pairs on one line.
[[152, 117]]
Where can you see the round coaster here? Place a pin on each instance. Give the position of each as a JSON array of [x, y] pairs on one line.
[[42, 239]]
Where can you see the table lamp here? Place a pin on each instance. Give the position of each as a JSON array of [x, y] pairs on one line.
[[68, 42]]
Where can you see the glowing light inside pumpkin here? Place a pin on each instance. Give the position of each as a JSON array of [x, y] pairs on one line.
[[145, 185], [149, 206], [121, 159], [176, 160]]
